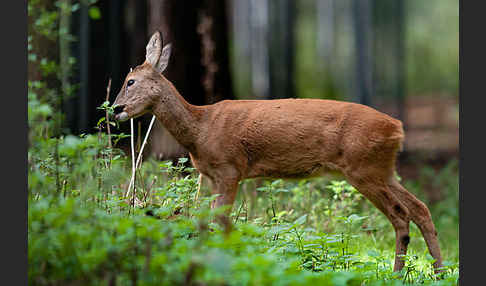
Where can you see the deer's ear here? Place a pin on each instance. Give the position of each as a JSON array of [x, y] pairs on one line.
[[164, 58], [154, 49]]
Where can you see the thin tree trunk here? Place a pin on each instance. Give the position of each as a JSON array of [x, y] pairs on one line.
[[400, 57], [363, 34], [241, 47], [259, 48], [325, 31], [281, 48], [212, 28]]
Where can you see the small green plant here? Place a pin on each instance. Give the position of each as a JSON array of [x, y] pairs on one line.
[[344, 198], [180, 190], [273, 189]]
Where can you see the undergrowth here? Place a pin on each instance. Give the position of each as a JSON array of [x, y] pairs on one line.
[[284, 232]]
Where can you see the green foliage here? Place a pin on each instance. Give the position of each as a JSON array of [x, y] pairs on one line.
[[94, 13], [70, 244], [168, 237]]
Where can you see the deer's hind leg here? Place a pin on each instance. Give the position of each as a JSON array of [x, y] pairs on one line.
[[420, 215], [381, 196]]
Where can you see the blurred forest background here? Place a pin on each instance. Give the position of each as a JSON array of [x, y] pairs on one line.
[[400, 57]]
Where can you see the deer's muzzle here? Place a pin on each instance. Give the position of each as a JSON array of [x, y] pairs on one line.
[[119, 113], [121, 116]]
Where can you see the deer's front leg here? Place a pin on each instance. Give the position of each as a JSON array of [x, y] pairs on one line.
[[226, 188]]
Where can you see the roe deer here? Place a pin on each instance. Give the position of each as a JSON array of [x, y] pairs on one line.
[[287, 138]]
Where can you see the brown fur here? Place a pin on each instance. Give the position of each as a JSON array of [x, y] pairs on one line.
[[288, 138]]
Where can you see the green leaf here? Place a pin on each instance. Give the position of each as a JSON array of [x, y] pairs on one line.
[[75, 7], [300, 220], [102, 119], [94, 13], [262, 189]]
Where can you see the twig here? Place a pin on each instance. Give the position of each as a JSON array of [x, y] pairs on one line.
[[149, 189], [199, 182], [133, 158], [108, 117], [110, 147], [239, 211], [139, 158], [139, 135], [141, 179]]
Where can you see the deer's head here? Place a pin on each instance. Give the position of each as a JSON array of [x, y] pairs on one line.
[[142, 85]]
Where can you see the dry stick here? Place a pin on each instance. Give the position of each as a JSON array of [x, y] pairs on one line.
[[239, 211], [199, 182], [108, 120], [139, 158], [139, 135], [107, 115], [133, 157], [147, 194], [138, 174]]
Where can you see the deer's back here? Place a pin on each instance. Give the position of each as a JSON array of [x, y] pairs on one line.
[[295, 137]]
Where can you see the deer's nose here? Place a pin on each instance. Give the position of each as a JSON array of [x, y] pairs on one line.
[[118, 109]]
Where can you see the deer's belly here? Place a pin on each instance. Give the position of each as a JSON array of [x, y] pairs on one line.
[[293, 171]]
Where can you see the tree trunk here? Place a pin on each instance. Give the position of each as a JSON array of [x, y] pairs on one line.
[[363, 33], [260, 66], [281, 52]]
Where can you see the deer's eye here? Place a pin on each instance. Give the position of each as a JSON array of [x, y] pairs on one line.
[[130, 82]]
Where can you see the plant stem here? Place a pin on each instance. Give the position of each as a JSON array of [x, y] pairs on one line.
[[133, 158], [108, 130], [139, 157], [199, 182]]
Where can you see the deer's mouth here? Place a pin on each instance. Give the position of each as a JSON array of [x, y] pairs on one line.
[[124, 112], [123, 116], [120, 113]]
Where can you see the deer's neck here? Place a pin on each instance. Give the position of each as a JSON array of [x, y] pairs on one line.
[[179, 117]]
